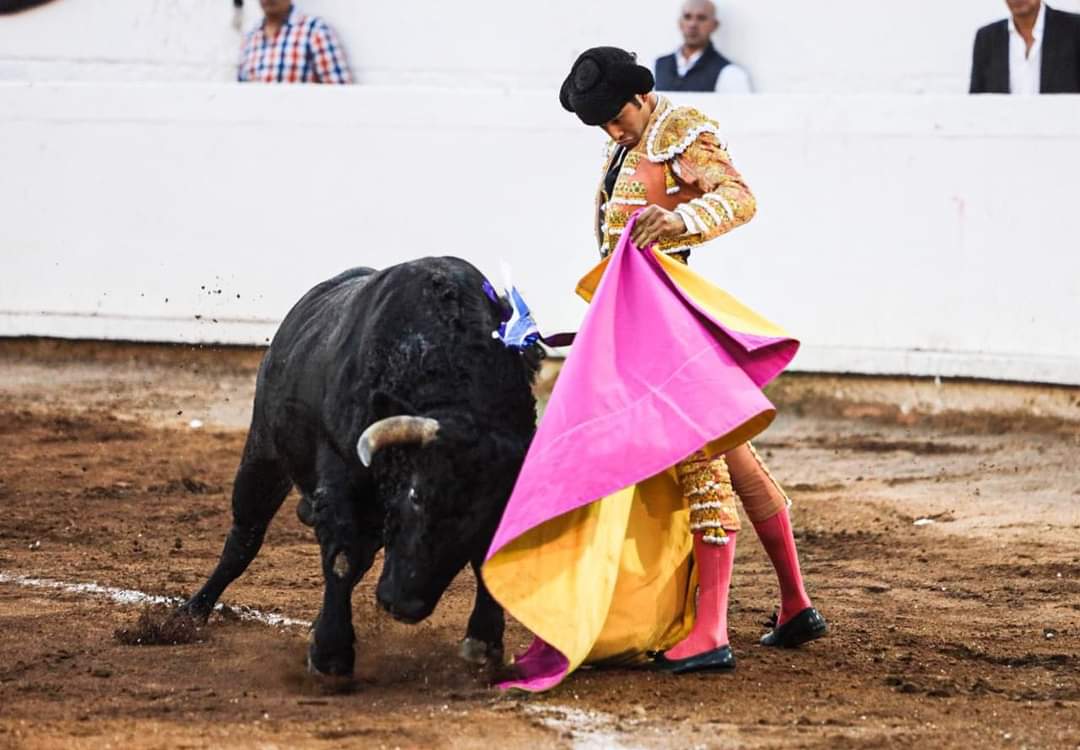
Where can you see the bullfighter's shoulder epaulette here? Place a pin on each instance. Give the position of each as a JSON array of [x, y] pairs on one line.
[[675, 129]]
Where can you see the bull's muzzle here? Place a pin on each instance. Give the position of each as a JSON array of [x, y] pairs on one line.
[[406, 609]]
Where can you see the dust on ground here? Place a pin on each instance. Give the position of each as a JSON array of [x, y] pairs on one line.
[[939, 537]]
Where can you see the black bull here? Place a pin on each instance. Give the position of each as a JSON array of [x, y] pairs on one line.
[[397, 369]]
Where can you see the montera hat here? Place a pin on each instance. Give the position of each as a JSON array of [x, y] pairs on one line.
[[602, 80]]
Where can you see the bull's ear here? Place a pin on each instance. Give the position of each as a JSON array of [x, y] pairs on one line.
[[383, 405]]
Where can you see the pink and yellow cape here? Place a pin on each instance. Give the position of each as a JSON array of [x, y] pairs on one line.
[[593, 552]]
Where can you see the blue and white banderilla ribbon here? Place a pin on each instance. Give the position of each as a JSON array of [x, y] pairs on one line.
[[518, 330]]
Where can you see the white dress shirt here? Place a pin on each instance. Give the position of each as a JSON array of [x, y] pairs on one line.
[[732, 79], [1025, 68]]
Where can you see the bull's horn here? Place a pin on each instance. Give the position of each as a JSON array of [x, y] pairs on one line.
[[395, 431]]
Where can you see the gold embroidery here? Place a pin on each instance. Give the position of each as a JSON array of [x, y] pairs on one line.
[[670, 186], [673, 130], [697, 175], [629, 190], [726, 199], [706, 484]]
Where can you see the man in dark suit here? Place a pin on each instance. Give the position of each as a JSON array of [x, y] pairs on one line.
[[1035, 51]]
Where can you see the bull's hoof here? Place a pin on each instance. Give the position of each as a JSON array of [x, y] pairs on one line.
[[330, 683], [337, 663], [475, 651], [190, 609]]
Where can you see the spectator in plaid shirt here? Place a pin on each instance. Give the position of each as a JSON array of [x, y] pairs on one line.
[[289, 47]]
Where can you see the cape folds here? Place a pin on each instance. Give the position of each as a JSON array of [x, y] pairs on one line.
[[664, 365]]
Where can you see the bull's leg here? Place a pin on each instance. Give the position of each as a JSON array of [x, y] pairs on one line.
[[348, 542], [483, 642], [260, 487]]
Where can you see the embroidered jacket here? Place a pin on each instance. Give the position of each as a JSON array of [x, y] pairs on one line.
[[681, 165]]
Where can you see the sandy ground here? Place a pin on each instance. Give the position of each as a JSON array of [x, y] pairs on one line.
[[960, 631]]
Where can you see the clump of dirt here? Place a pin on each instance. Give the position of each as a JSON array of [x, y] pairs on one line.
[[187, 484], [161, 626], [115, 491]]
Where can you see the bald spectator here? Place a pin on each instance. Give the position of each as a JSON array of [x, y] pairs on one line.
[[289, 47], [696, 65]]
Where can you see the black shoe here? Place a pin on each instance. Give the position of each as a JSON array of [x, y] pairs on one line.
[[718, 660], [804, 627]]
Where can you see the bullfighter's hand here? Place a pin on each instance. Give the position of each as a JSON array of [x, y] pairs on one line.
[[655, 223]]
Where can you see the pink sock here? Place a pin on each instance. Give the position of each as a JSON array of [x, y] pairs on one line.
[[714, 563], [779, 542]]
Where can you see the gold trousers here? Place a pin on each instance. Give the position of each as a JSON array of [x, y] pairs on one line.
[[711, 485]]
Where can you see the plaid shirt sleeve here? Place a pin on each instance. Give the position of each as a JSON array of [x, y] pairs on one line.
[[328, 56]]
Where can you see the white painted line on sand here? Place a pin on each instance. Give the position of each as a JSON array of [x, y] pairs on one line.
[[129, 597], [588, 730]]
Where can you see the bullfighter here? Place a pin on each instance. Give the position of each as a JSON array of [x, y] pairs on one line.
[[668, 163]]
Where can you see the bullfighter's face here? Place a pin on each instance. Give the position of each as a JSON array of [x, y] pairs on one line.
[[442, 502], [627, 127]]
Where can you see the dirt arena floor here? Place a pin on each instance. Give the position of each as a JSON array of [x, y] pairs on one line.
[[939, 527]]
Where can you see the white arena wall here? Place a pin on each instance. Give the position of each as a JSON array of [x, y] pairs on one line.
[[929, 235]]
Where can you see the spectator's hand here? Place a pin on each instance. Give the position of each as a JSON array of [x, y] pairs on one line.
[[655, 223]]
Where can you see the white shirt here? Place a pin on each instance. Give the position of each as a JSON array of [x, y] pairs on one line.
[[1025, 68], [732, 79]]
